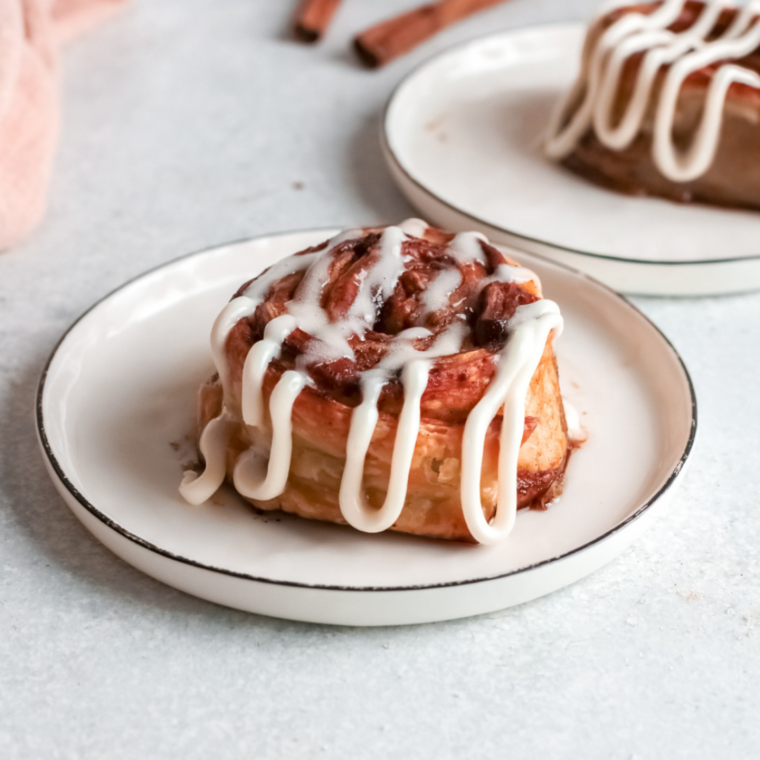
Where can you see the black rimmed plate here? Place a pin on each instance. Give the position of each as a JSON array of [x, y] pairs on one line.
[[463, 137], [116, 420]]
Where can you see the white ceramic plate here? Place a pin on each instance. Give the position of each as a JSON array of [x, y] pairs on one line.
[[462, 136], [116, 419]]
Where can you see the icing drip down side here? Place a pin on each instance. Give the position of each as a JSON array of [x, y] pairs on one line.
[[652, 38], [373, 315]]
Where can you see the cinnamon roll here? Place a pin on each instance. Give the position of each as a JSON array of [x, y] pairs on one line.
[[667, 103], [399, 378]]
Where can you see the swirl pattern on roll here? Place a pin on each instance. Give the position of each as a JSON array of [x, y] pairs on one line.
[[381, 379]]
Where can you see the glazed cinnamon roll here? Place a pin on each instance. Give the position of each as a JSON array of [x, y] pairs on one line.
[[398, 378], [668, 103]]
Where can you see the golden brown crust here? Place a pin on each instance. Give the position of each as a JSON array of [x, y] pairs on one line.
[[432, 507]]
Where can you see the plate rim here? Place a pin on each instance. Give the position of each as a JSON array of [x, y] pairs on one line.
[[388, 150], [74, 492]]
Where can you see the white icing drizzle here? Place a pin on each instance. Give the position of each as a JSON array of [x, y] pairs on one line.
[[247, 475], [438, 292], [381, 278], [414, 227], [530, 327], [684, 52], [256, 363], [261, 473], [414, 377], [353, 503], [466, 247], [237, 309], [213, 445]]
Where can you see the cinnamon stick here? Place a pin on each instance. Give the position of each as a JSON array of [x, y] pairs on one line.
[[312, 19], [389, 39]]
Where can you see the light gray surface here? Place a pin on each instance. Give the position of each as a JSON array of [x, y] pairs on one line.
[[187, 124]]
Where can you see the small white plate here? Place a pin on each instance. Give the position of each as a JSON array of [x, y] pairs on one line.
[[463, 137], [116, 419]]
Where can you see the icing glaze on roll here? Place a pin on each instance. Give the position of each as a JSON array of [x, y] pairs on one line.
[[261, 472], [591, 102]]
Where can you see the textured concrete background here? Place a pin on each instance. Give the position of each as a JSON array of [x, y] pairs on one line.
[[189, 123]]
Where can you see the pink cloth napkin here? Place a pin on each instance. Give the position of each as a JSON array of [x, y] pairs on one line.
[[30, 34]]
